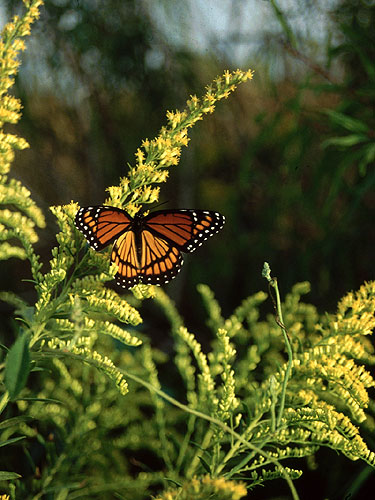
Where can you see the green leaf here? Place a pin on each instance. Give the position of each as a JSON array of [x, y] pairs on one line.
[[39, 369], [10, 422], [197, 445], [11, 441], [368, 64], [204, 464], [347, 122], [176, 483], [346, 141], [62, 494], [41, 400], [3, 347], [370, 153], [17, 366], [6, 476]]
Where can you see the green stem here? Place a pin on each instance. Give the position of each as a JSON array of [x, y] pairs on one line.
[[195, 461], [245, 460], [273, 403], [236, 446], [185, 442], [266, 273], [273, 283]]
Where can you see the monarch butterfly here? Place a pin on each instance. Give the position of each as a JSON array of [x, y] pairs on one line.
[[147, 249]]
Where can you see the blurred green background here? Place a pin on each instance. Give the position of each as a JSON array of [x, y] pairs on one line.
[[288, 158]]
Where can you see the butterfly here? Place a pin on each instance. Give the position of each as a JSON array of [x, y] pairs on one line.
[[147, 249]]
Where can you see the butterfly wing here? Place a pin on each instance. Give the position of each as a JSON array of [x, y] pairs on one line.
[[125, 256], [148, 250], [101, 225], [155, 263], [185, 229]]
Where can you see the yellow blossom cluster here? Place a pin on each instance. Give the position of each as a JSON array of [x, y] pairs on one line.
[[156, 155], [356, 312], [228, 400], [10, 47], [110, 304], [14, 223], [79, 349], [8, 143]]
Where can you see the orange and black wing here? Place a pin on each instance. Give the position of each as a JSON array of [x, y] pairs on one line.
[[124, 255], [185, 229], [101, 225], [147, 250], [155, 262]]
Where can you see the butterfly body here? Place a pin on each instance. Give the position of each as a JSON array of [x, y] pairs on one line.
[[147, 249]]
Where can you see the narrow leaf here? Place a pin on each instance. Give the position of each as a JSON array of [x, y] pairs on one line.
[[10, 422], [204, 464], [41, 400], [17, 366], [351, 124], [3, 347], [13, 299], [6, 476], [346, 142], [170, 480], [11, 441], [370, 153]]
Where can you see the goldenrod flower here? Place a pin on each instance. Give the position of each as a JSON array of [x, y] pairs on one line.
[[12, 192], [165, 150]]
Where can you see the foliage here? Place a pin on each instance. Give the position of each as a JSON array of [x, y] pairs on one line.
[[86, 411], [15, 224]]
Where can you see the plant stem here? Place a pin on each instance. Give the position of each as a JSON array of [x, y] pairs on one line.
[[266, 273], [236, 446], [184, 446], [284, 24], [220, 424], [195, 461], [280, 322]]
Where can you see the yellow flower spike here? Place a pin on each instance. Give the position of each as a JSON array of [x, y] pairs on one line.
[[165, 150], [12, 193]]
